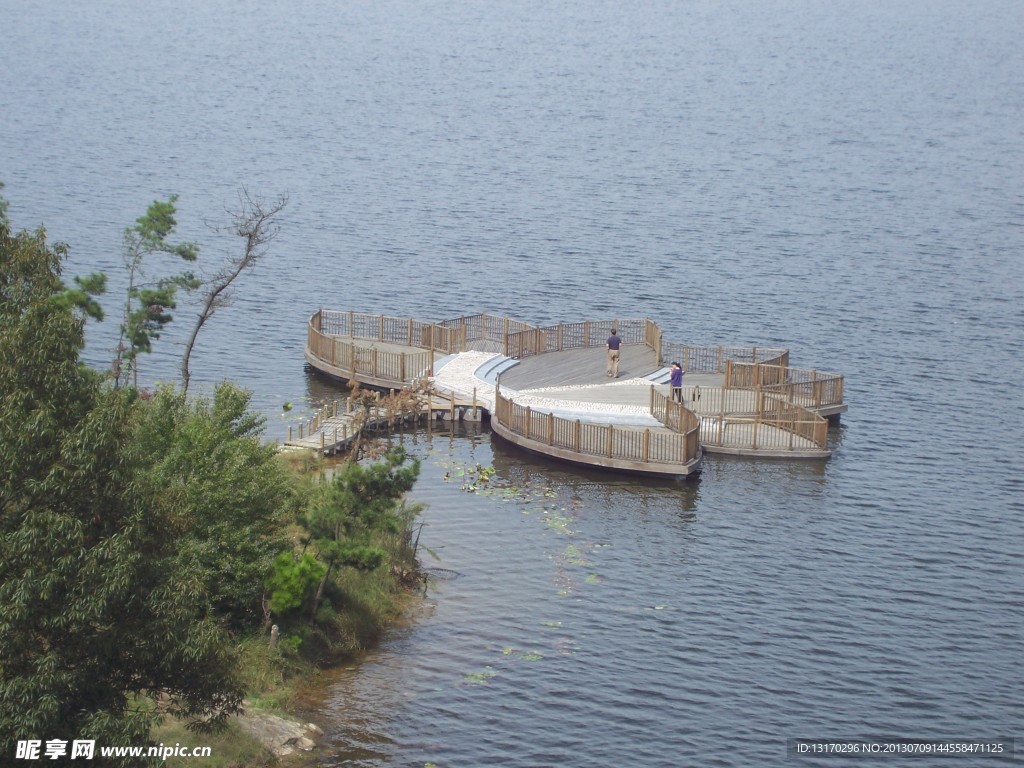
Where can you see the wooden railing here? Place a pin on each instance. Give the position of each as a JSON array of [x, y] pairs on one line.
[[678, 418], [809, 388], [588, 333], [394, 330], [326, 341], [754, 410], [715, 359], [627, 444], [484, 327], [519, 339]]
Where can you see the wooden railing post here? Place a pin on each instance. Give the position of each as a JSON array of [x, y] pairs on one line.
[[529, 423], [380, 328], [577, 435], [647, 445], [551, 428], [611, 429]]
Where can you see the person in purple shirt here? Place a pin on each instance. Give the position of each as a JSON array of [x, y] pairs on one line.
[[614, 342], [675, 381]]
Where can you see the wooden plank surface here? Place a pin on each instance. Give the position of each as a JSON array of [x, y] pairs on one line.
[[579, 366]]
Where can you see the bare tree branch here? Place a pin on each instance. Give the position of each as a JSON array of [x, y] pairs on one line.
[[253, 222]]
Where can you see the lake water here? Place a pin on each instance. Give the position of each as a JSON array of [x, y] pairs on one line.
[[845, 179]]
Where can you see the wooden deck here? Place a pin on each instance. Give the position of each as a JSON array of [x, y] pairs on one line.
[[556, 398], [334, 429]]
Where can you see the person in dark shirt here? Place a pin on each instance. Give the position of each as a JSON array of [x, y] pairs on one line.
[[675, 381], [614, 342]]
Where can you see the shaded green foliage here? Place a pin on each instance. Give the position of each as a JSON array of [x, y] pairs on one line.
[[95, 609], [359, 531], [360, 500], [140, 534], [227, 493]]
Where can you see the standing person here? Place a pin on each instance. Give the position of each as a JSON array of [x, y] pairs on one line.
[[675, 381], [614, 342]]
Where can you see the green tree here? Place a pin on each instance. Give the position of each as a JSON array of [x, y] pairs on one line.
[[361, 500], [147, 302], [3, 208], [293, 580], [96, 611], [230, 494]]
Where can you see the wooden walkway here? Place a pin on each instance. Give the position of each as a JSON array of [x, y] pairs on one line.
[[555, 398], [334, 429]]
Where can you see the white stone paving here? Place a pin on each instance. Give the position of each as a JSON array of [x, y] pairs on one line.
[[460, 377]]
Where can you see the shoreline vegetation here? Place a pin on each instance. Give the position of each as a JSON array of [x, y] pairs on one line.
[[167, 578]]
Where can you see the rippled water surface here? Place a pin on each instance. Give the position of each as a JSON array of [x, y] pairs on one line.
[[845, 180]]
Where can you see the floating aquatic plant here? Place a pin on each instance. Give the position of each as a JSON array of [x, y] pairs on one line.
[[482, 677], [573, 556]]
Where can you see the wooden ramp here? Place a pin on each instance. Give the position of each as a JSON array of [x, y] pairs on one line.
[[333, 429]]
